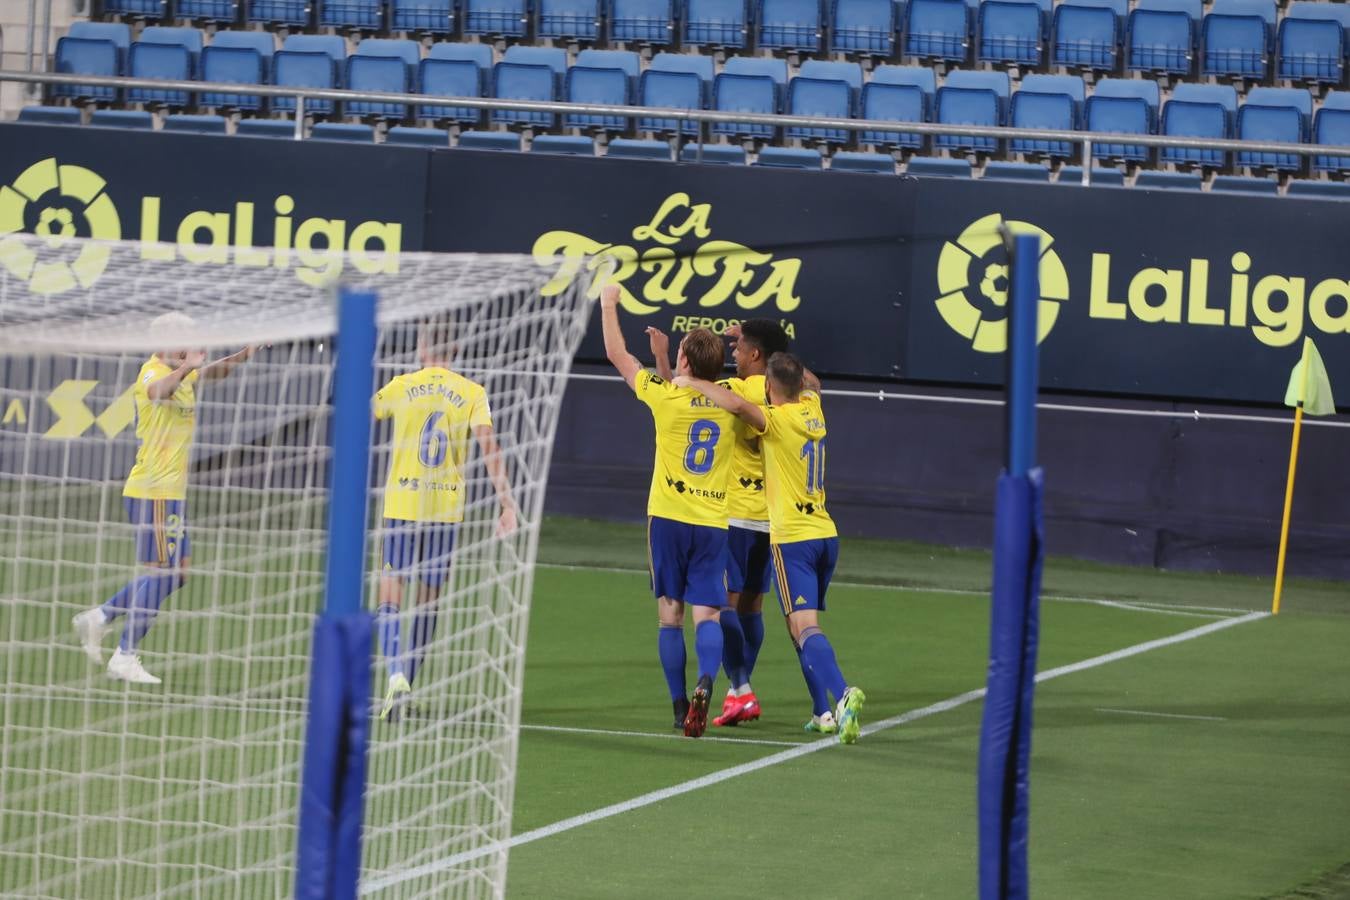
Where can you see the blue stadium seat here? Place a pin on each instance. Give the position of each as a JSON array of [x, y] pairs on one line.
[[745, 93], [309, 60], [279, 12], [1325, 190], [789, 158], [168, 54], [1142, 88], [630, 148], [573, 20], [1125, 106], [1239, 184], [876, 163], [1016, 171], [1087, 36], [887, 101], [1332, 126], [454, 70], [122, 118], [116, 32], [921, 77], [1102, 176], [563, 143], [238, 57], [717, 23], [627, 60], [342, 131], [937, 167], [190, 39], [776, 69], [849, 72], [365, 15], [524, 81], [645, 22], [1150, 179], [673, 90], [266, 128], [1160, 36], [195, 124], [417, 137], [1236, 38], [1047, 101], [1072, 85], [1201, 111], [141, 9], [822, 98], [972, 98], [702, 66], [49, 115], [489, 140], [423, 16], [863, 28], [792, 25], [87, 56], [1010, 32], [553, 57], [505, 18], [713, 154], [938, 29], [1274, 114], [478, 54], [588, 85], [384, 66], [1312, 42], [225, 12]]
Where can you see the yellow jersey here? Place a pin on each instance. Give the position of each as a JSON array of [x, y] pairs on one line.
[[793, 442], [164, 430], [694, 440], [434, 411], [745, 491]]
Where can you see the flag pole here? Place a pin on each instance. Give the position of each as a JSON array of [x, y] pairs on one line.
[[1289, 488]]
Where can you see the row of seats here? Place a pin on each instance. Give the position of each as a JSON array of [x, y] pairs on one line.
[[624, 148], [746, 84], [1244, 39]]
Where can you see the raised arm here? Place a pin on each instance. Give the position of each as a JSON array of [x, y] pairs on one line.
[[661, 350], [221, 367], [809, 381], [749, 413], [492, 461], [615, 347], [162, 388]]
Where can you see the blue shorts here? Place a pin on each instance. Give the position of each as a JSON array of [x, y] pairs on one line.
[[748, 560], [688, 562], [420, 549], [161, 531], [803, 570]]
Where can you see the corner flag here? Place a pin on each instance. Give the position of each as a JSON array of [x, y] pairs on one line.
[[1309, 391]]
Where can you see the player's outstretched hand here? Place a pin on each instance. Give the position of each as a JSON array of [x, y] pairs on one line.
[[733, 332], [682, 381], [195, 358], [660, 342], [506, 522], [609, 295]]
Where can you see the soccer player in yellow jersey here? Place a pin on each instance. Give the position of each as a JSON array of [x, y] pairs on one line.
[[434, 411], [155, 497], [803, 539], [686, 506]]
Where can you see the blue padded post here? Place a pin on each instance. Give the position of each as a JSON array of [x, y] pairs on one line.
[[1022, 353]]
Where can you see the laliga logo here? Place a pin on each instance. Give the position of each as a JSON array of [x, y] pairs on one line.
[[57, 203], [962, 264]]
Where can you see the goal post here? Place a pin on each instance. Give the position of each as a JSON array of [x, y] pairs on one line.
[[191, 787]]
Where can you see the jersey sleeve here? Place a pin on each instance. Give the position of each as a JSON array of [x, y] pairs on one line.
[[152, 371], [384, 400], [773, 422], [650, 387], [480, 415]]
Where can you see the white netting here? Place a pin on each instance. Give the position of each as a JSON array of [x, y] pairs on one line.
[[189, 788]]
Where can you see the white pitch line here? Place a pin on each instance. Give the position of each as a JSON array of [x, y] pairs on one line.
[[649, 734], [1166, 611], [1142, 712], [773, 759]]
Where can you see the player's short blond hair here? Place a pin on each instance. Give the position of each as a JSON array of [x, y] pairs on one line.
[[705, 353], [171, 320]]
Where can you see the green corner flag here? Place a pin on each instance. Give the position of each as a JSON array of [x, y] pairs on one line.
[[1309, 385]]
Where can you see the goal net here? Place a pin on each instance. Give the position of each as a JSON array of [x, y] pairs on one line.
[[112, 573]]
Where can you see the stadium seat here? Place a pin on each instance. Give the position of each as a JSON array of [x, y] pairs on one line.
[[827, 98], [627, 60], [714, 154], [309, 60], [116, 32], [1236, 38], [1010, 32], [789, 158], [628, 148], [524, 81], [1172, 181], [382, 66], [98, 56], [1332, 126], [49, 115], [238, 57], [279, 12], [569, 20], [553, 57], [1102, 176], [1201, 111], [1016, 171], [363, 15], [930, 167], [702, 66], [887, 101], [921, 77], [1046, 101], [1311, 42], [168, 54], [224, 12], [1086, 36], [479, 54], [195, 124], [717, 23], [417, 137], [343, 131], [489, 140], [1323, 190], [266, 128], [448, 72], [745, 93], [938, 29], [1160, 36], [863, 28], [1274, 114], [504, 18], [849, 72], [791, 25], [876, 163], [1239, 184], [601, 86], [1125, 106], [643, 22], [122, 118], [140, 9], [972, 98], [673, 90], [563, 143], [423, 16]]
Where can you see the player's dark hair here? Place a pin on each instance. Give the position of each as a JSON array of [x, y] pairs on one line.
[[705, 353], [766, 335], [786, 371]]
